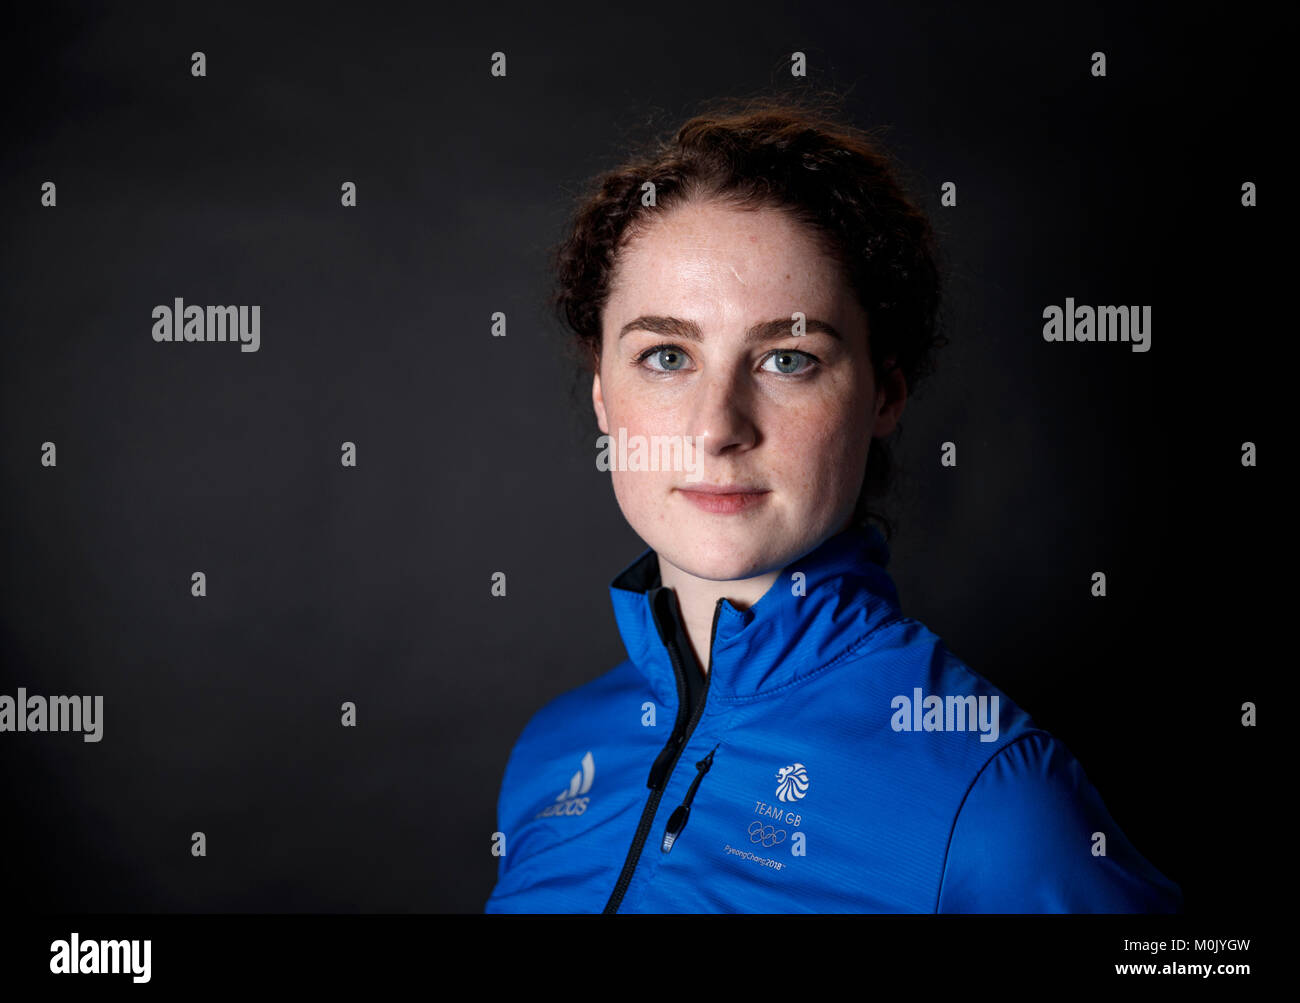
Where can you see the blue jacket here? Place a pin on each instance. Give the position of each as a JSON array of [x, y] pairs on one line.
[[836, 758]]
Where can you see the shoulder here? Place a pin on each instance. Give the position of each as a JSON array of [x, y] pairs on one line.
[[941, 711], [1033, 834], [621, 684], [1028, 830], [548, 734]]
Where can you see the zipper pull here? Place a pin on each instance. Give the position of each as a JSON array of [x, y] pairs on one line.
[[677, 820]]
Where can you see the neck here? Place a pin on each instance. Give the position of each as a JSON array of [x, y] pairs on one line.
[[698, 597]]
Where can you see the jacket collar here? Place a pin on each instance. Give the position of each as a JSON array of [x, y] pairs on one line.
[[784, 637]]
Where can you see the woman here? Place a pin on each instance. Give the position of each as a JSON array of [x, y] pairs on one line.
[[759, 293]]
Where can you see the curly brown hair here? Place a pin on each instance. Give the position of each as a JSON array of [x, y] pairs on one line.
[[794, 154]]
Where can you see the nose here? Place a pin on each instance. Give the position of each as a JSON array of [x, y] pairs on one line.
[[722, 412]]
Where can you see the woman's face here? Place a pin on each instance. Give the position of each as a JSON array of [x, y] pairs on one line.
[[698, 342]]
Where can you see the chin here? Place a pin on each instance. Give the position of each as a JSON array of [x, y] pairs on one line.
[[713, 570], [726, 553]]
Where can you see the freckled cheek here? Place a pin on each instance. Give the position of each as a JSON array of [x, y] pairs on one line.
[[639, 491], [805, 455], [625, 408], [819, 446], [643, 495]]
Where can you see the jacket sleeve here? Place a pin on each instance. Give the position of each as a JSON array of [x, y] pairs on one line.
[[1024, 841], [505, 808]]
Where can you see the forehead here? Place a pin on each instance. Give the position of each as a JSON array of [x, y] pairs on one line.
[[723, 266]]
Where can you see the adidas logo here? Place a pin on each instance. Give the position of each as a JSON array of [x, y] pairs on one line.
[[571, 800]]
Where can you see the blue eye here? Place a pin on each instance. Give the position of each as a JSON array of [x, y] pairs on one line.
[[788, 362], [669, 359]]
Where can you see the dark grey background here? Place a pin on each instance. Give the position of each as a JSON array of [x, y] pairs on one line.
[[476, 453]]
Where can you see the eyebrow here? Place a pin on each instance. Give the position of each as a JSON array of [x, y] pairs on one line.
[[689, 330]]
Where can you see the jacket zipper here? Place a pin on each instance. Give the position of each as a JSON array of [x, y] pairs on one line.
[[662, 770]]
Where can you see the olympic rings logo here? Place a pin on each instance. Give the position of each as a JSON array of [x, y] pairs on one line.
[[765, 834]]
